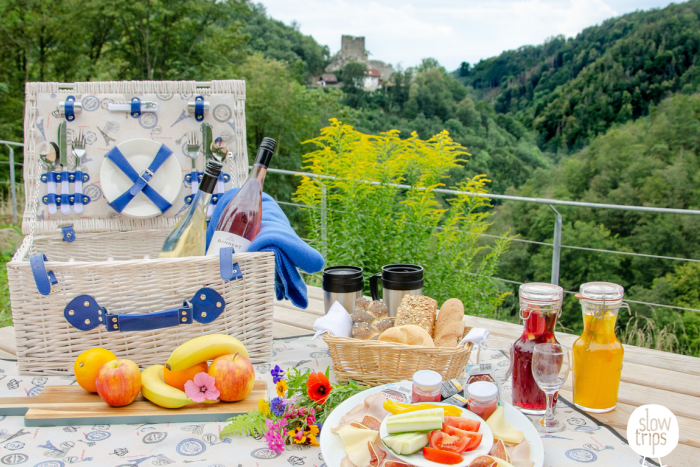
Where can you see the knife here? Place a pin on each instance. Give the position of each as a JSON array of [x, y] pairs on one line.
[[65, 190], [206, 142]]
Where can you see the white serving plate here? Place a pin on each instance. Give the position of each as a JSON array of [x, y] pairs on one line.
[[140, 152], [333, 450]]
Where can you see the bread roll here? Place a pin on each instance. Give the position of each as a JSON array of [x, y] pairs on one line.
[[369, 319], [419, 310], [409, 334], [449, 327]]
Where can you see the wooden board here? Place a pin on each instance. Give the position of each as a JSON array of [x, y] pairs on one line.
[[72, 405]]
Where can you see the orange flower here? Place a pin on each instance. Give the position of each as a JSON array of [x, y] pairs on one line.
[[318, 387]]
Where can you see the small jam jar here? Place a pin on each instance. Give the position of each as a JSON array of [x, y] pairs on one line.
[[426, 386], [483, 398]]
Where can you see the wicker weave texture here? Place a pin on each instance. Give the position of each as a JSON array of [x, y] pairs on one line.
[[377, 362], [48, 345]]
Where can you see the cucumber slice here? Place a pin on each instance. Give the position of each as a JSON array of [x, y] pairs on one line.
[[419, 413], [424, 423], [414, 442]]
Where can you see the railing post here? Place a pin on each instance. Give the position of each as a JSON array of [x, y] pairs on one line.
[[556, 253], [324, 218], [12, 183]]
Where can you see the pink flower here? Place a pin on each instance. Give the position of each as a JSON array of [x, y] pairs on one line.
[[273, 436], [201, 388]]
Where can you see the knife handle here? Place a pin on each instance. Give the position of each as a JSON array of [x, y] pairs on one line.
[[51, 189], [78, 203], [194, 181], [65, 193]]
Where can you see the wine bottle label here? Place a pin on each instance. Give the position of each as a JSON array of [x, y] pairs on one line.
[[225, 239]]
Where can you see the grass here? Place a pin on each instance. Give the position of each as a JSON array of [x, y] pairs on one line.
[[646, 332]]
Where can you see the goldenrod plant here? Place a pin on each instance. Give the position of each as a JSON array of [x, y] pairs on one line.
[[380, 208]]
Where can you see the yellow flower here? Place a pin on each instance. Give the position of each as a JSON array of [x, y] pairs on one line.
[[281, 387], [312, 440], [264, 407], [296, 438], [313, 430]]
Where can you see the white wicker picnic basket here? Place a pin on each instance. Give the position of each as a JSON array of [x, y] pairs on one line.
[[114, 259]]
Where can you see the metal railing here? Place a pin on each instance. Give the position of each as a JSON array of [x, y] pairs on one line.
[[558, 224], [13, 188]]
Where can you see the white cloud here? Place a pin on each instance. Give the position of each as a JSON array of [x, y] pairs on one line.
[[405, 31]]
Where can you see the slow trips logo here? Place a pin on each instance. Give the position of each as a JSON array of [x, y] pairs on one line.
[[652, 431]]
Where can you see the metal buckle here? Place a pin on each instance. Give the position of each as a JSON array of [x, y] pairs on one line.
[[146, 171]]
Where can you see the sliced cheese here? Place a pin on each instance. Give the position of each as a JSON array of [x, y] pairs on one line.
[[504, 430], [501, 462], [355, 441]]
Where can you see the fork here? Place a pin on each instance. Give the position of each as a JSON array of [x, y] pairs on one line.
[[193, 152], [78, 144]]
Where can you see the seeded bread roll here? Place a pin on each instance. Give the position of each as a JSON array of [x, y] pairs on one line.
[[369, 319], [449, 326], [409, 334], [419, 310]]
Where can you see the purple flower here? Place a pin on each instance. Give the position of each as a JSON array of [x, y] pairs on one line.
[[277, 374], [277, 406]]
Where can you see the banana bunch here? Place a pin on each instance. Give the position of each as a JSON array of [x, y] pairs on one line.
[[204, 348], [154, 389]]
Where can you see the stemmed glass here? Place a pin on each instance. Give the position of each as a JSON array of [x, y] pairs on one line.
[[498, 353], [550, 368]]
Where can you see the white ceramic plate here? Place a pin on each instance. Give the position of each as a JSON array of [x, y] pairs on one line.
[[333, 450], [484, 448], [140, 152]]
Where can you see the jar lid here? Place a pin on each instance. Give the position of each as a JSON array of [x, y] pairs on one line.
[[541, 292], [427, 380], [601, 291], [482, 391]]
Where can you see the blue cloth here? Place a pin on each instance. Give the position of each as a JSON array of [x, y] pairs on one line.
[[291, 252]]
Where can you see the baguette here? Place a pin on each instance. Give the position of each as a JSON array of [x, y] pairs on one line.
[[449, 326]]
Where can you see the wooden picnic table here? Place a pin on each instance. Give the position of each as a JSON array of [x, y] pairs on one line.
[[648, 376]]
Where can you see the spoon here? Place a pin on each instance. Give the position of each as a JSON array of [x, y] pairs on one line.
[[48, 156], [219, 151]]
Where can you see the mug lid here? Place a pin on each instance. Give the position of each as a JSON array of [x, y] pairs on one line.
[[342, 279], [402, 273]]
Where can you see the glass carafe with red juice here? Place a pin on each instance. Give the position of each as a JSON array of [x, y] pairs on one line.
[[540, 306]]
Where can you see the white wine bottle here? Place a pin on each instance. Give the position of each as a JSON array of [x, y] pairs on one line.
[[240, 220], [189, 237]]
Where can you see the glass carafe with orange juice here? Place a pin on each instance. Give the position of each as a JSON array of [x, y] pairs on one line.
[[598, 354], [540, 306]]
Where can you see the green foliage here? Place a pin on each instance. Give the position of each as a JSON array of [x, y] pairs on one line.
[[570, 90], [653, 161], [373, 225], [250, 424]]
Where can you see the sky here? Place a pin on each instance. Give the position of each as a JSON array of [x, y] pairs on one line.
[[402, 32]]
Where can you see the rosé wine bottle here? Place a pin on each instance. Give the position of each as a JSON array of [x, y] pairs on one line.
[[240, 220]]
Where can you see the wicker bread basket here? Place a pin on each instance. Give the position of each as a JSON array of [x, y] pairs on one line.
[[376, 362]]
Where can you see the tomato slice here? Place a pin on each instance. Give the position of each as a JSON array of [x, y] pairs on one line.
[[463, 423], [441, 457], [474, 438], [443, 441]]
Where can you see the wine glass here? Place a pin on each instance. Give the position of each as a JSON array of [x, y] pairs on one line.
[[550, 368], [497, 354]]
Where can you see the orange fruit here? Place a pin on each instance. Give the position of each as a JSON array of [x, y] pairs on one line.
[[88, 364], [177, 379]]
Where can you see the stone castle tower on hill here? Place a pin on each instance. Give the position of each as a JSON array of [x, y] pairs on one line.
[[352, 49]]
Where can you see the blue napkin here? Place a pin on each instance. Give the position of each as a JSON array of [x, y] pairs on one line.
[[291, 252]]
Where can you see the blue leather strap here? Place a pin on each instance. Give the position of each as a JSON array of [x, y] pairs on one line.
[[72, 176], [136, 107], [50, 198], [85, 314], [69, 110], [56, 199], [188, 177], [140, 180], [225, 177], [44, 280], [228, 270], [68, 233], [65, 197], [199, 108]]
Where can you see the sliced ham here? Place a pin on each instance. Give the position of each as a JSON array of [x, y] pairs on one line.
[[520, 455], [372, 406], [377, 455], [371, 422]]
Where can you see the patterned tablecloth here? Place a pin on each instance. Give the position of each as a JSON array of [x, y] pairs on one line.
[[584, 442]]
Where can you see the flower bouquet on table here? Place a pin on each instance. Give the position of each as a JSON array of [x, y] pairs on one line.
[[304, 401]]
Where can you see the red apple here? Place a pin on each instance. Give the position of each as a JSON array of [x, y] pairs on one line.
[[118, 382], [233, 375]]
